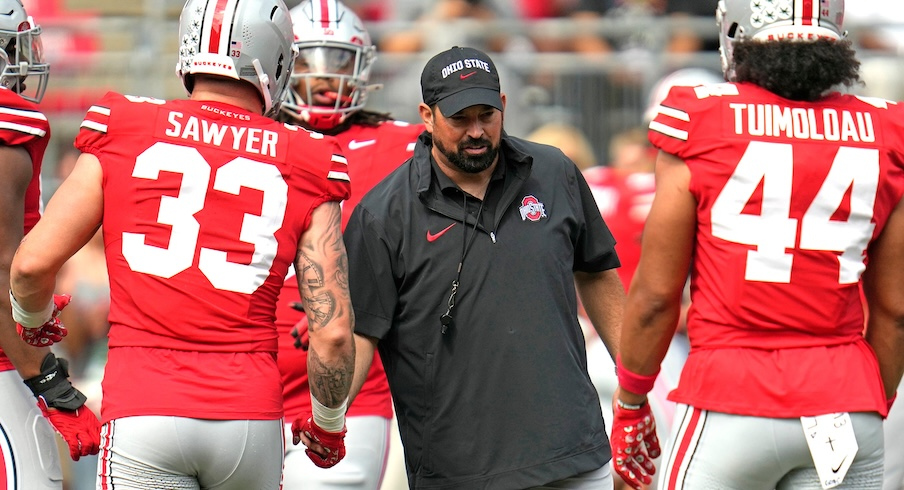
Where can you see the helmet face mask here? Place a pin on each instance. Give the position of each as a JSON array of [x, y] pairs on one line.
[[22, 53], [335, 57], [257, 47], [774, 20]]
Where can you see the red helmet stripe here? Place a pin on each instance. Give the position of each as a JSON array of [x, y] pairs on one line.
[[326, 13], [216, 26], [806, 12]]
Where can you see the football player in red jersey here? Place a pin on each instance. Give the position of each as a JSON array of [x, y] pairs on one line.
[[205, 203], [28, 451], [779, 195], [328, 94]]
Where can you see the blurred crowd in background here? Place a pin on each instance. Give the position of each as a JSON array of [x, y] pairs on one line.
[[579, 74]]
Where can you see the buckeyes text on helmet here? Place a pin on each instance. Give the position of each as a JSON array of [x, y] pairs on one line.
[[248, 40], [335, 55], [775, 20], [22, 66]]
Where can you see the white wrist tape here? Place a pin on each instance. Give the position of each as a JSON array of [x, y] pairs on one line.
[[329, 419], [30, 319]]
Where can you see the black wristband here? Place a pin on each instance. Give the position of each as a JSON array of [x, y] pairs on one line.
[[53, 385]]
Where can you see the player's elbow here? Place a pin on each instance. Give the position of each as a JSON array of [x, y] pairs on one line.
[[335, 338], [652, 305], [27, 269]]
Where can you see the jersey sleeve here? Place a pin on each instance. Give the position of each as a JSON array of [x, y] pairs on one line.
[[338, 182], [687, 111], [21, 122], [93, 130]]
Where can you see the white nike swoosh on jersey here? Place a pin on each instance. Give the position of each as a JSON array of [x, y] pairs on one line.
[[354, 144]]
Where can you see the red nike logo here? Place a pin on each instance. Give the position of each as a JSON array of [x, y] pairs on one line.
[[431, 237], [463, 76]]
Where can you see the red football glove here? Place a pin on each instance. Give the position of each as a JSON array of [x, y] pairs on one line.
[[300, 330], [50, 332], [79, 428], [333, 442], [634, 444]]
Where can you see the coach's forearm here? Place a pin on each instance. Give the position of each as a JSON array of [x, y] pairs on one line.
[[364, 356]]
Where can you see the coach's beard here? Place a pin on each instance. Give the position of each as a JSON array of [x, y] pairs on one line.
[[468, 163]]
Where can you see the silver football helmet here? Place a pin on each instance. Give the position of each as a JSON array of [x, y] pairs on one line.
[[333, 45], [768, 20], [21, 52], [247, 40]]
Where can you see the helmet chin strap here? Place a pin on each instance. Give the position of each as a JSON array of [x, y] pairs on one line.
[[264, 84]]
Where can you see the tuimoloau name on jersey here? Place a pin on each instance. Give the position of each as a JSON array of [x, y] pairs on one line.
[[801, 123], [256, 141]]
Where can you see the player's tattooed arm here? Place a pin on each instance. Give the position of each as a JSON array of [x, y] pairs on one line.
[[322, 266]]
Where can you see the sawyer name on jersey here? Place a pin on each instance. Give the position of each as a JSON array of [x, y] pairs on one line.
[[796, 122], [251, 140]]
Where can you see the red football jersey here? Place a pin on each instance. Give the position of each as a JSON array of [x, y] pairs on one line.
[[372, 152], [23, 124], [789, 196], [624, 200], [204, 205]]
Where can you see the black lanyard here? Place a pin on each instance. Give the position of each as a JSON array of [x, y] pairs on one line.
[[446, 319]]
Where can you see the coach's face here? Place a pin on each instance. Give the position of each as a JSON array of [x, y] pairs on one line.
[[469, 139]]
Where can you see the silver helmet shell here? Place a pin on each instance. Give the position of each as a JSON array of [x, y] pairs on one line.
[[773, 20], [333, 44], [21, 52], [248, 40]]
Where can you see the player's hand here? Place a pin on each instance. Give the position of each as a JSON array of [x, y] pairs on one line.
[[64, 407], [326, 449], [79, 428], [634, 444], [51, 331]]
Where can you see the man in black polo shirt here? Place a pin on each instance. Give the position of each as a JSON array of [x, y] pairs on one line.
[[462, 269]]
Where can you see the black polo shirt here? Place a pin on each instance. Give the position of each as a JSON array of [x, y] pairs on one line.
[[503, 398]]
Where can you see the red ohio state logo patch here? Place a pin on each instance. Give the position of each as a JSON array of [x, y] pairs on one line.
[[532, 209]]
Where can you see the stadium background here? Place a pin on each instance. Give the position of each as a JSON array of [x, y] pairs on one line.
[[130, 46]]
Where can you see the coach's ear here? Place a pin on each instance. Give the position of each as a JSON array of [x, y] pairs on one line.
[[427, 116]]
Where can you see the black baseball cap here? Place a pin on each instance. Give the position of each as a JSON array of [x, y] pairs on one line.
[[460, 78]]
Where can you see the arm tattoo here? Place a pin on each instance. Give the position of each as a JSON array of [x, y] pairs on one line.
[[318, 302], [323, 279], [318, 294], [330, 384]]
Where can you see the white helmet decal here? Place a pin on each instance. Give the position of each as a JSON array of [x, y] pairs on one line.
[[773, 20], [247, 40]]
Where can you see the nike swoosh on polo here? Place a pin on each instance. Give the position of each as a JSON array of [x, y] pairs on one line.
[[355, 144], [463, 75], [431, 237]]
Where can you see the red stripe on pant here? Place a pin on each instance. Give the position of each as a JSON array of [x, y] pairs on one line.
[[683, 449]]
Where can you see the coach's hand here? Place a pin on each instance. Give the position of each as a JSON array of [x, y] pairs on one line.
[[326, 449], [52, 331], [64, 407], [634, 443]]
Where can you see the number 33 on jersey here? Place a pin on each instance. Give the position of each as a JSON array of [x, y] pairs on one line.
[[206, 211]]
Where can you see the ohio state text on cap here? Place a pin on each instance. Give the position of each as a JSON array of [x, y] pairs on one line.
[[460, 78]]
